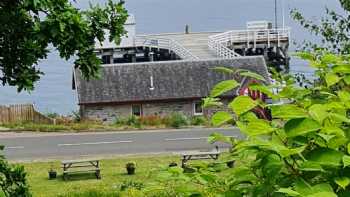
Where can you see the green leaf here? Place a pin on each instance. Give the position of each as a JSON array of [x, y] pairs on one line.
[[326, 137], [286, 152], [242, 104], [323, 194], [342, 69], [344, 96], [347, 79], [220, 118], [224, 87], [218, 137], [348, 148], [287, 111], [317, 64], [271, 165], [311, 167], [338, 118], [306, 56], [333, 130], [325, 156], [225, 70], [288, 191], [346, 161], [211, 102], [252, 75], [258, 127], [332, 79], [318, 112], [330, 58], [301, 126], [343, 182], [264, 89]]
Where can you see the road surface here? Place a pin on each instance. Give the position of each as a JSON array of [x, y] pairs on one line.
[[29, 147]]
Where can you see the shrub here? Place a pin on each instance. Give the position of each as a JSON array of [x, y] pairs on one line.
[[76, 116], [12, 179], [131, 185], [303, 151], [176, 120], [152, 120], [198, 120], [133, 121], [52, 115]]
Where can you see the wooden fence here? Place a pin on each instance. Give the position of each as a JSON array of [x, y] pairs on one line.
[[22, 113]]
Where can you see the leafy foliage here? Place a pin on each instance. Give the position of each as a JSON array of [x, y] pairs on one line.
[[333, 29], [302, 151], [29, 27], [12, 180]]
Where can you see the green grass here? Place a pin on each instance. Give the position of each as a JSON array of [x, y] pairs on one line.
[[112, 170]]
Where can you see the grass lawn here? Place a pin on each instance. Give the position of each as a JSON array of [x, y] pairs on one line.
[[112, 170]]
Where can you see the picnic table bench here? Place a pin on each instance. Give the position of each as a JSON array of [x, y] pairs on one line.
[[81, 166], [199, 155]]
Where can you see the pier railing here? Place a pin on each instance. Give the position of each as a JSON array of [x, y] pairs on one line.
[[222, 50], [165, 43], [249, 37]]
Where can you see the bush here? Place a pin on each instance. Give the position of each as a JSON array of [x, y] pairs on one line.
[[176, 120], [132, 121], [131, 184], [52, 115], [198, 120], [304, 151], [152, 120], [12, 179], [76, 116]]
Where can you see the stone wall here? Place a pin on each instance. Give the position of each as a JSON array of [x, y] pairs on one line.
[[110, 113]]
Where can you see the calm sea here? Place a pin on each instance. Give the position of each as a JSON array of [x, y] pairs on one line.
[[53, 93]]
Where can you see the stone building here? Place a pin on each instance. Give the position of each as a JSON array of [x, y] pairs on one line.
[[157, 88], [159, 74]]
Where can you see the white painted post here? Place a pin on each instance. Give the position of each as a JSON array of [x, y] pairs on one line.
[[268, 39], [278, 38], [255, 34]]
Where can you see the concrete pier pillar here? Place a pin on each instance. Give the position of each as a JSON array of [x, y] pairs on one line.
[[133, 58], [151, 57]]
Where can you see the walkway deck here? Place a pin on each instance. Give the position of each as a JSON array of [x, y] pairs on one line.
[[196, 43]]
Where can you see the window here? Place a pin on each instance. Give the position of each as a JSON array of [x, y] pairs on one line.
[[136, 110], [197, 108], [106, 59]]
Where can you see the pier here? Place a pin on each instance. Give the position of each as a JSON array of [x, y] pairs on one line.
[[259, 38]]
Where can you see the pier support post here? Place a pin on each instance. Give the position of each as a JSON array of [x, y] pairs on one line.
[[151, 56], [133, 58]]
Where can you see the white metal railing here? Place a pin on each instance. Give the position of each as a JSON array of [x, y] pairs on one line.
[[218, 42], [165, 43], [221, 50]]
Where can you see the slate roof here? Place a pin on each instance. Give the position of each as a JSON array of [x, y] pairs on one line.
[[120, 83]]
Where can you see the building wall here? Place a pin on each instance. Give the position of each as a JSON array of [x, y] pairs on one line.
[[109, 113]]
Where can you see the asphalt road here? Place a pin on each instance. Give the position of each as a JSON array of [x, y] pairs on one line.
[[24, 147]]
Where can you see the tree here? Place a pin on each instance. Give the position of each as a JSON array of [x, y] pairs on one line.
[[29, 27], [333, 30]]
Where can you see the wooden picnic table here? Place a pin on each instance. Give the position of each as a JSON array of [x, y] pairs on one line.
[[81, 166], [199, 155]]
